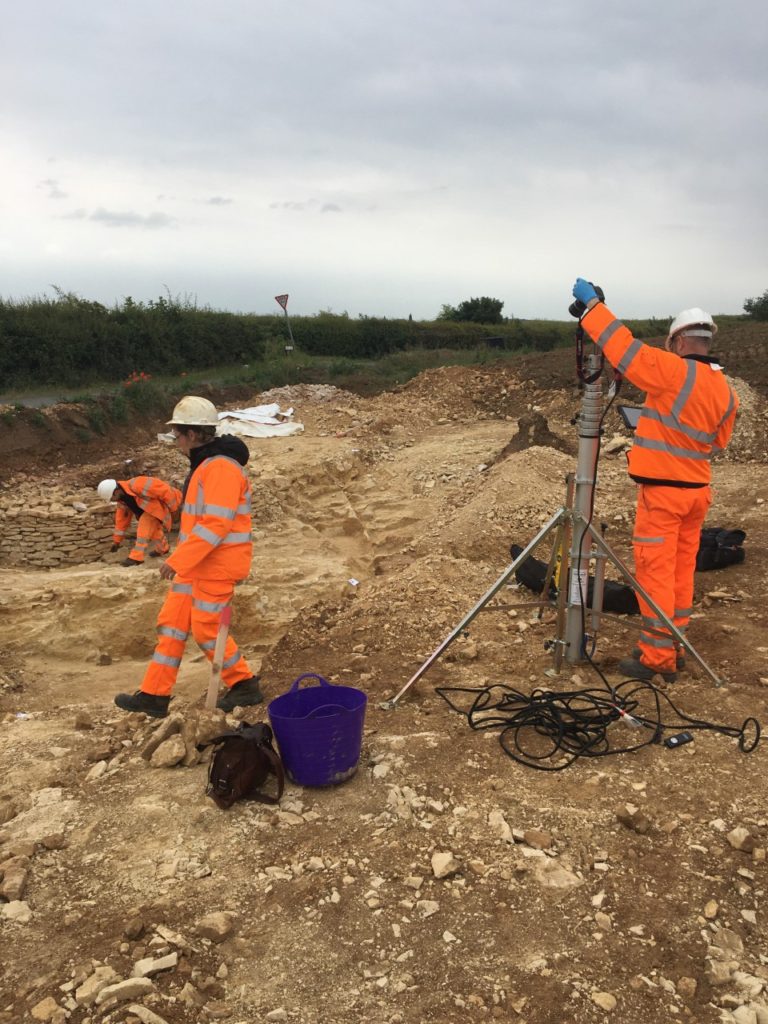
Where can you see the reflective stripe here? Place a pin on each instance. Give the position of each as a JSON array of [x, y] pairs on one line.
[[682, 612], [219, 510], [236, 538], [207, 535], [627, 359], [182, 588], [168, 631], [119, 533], [245, 510], [210, 606], [207, 645], [182, 536], [609, 332], [685, 391], [141, 543], [673, 423], [670, 449], [729, 410], [166, 659], [657, 641], [648, 620], [231, 660], [647, 540]]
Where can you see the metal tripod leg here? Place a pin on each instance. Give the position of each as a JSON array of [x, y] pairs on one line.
[[626, 572], [559, 516]]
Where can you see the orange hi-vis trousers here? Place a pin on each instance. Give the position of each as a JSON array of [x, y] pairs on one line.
[[148, 529], [666, 541], [192, 605]]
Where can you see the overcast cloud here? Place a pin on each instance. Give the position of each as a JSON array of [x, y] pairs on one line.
[[386, 158]]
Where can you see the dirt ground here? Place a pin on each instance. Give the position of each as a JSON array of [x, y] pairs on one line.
[[445, 881]]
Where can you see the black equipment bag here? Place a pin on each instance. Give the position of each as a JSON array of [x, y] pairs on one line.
[[243, 760], [720, 547], [617, 597]]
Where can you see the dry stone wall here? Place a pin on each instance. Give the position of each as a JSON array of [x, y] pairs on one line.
[[46, 539]]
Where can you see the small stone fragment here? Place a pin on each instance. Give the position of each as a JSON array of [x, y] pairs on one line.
[[538, 839], [604, 1000], [633, 818], [686, 988], [741, 839], [444, 864], [169, 752], [711, 910], [45, 1009], [216, 926], [131, 988]]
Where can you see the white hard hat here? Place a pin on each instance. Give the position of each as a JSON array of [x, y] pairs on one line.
[[193, 411], [106, 489], [695, 323]]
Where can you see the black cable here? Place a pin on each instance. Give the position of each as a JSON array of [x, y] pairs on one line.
[[537, 728]]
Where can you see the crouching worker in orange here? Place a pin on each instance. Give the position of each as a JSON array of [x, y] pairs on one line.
[[213, 554], [687, 417], [153, 502]]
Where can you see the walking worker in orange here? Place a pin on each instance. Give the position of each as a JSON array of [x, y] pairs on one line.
[[688, 416], [213, 554], [153, 502]]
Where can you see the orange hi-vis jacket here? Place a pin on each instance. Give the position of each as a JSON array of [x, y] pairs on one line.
[[689, 409], [152, 495], [215, 530]]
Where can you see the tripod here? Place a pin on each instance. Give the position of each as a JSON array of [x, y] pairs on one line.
[[576, 543]]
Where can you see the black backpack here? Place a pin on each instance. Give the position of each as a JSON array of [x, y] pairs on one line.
[[243, 760], [719, 547]]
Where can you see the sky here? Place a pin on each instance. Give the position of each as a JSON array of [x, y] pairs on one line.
[[387, 158]]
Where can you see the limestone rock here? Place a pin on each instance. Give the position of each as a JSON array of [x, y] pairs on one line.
[[499, 823], [17, 911], [741, 839], [45, 1009], [605, 1000], [131, 988], [216, 926], [633, 818], [169, 753], [538, 839], [90, 988], [444, 864]]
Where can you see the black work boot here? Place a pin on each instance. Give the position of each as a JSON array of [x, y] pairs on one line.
[[131, 561], [679, 661], [149, 703], [633, 668], [241, 695]]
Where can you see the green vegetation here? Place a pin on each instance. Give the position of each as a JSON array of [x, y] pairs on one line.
[[166, 347], [757, 308], [71, 341], [480, 311]]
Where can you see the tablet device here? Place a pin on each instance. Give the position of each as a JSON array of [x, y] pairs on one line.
[[630, 414]]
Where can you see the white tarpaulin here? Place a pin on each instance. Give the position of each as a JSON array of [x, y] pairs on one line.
[[257, 421]]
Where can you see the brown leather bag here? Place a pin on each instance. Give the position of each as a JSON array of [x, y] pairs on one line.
[[242, 762]]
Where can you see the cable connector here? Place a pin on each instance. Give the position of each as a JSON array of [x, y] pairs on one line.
[[628, 719]]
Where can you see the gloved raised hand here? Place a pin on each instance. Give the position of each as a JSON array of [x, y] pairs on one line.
[[584, 291], [114, 547]]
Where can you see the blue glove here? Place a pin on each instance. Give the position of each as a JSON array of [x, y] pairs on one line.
[[583, 291]]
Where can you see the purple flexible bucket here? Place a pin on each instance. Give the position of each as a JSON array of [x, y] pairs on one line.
[[319, 731]]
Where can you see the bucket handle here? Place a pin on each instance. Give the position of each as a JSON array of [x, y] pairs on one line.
[[324, 709], [309, 675]]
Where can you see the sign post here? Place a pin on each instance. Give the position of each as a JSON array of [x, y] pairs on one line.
[[282, 300]]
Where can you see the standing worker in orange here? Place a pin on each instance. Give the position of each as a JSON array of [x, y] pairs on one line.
[[153, 502], [213, 554], [688, 416]]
